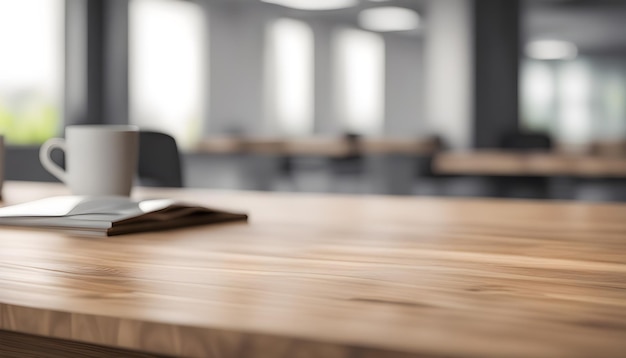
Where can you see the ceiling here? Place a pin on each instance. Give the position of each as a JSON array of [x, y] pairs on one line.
[[346, 16], [595, 26]]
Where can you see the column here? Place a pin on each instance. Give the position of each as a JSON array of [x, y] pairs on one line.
[[496, 64], [97, 62], [449, 52]]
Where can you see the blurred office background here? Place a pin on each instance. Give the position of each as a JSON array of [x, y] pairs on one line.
[[340, 96]]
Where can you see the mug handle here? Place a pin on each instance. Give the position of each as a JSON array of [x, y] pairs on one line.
[[45, 153]]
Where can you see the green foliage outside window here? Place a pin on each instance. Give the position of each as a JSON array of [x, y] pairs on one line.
[[30, 125]]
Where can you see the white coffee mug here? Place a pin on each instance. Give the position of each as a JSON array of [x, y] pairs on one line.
[[99, 159]]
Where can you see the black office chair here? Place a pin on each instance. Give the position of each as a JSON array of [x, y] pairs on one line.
[[425, 162], [536, 187], [428, 180], [352, 162], [526, 141], [159, 160], [348, 170]]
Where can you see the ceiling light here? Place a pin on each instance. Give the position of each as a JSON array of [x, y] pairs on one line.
[[551, 50], [389, 18], [314, 4]]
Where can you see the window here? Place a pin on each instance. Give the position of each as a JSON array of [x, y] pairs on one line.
[[538, 85], [573, 79], [360, 81], [167, 68], [32, 70], [289, 77], [577, 101], [612, 92]]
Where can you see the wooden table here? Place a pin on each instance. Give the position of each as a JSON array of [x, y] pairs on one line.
[[322, 276], [502, 163]]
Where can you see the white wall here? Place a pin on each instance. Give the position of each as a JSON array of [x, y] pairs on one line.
[[325, 121], [404, 67], [236, 40]]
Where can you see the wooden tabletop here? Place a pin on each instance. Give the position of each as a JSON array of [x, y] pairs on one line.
[[491, 162], [324, 276]]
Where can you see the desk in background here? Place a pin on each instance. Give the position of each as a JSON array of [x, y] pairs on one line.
[[321, 146], [501, 163], [322, 276], [539, 174]]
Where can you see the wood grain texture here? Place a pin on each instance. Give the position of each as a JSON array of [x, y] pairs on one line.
[[488, 162], [322, 276]]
